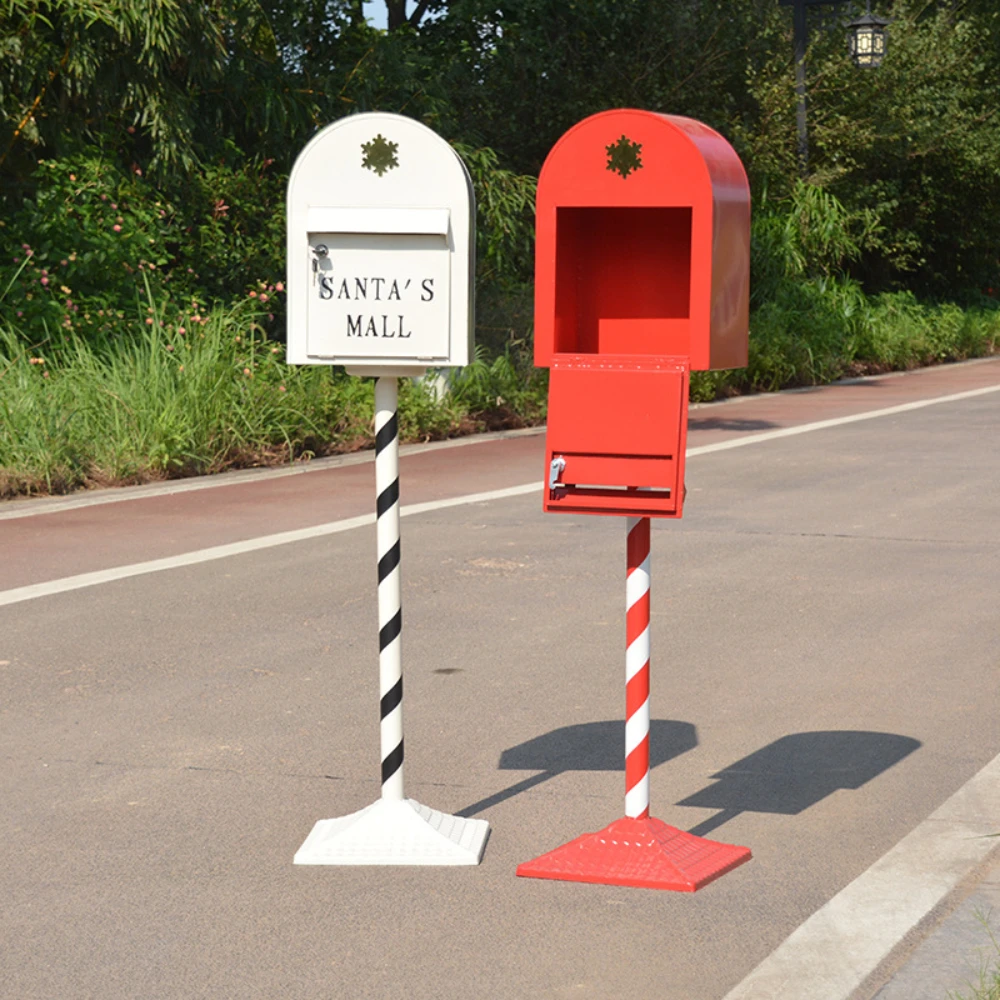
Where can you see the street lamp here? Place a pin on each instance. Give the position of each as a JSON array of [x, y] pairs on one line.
[[866, 38]]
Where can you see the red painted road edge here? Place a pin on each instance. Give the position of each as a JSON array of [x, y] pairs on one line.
[[65, 542]]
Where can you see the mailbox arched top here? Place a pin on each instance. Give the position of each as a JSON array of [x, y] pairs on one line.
[[643, 242], [383, 160], [633, 157]]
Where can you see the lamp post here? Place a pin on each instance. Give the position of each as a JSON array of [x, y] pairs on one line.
[[866, 38]]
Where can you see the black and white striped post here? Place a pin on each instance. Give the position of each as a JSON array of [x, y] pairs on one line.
[[394, 830], [390, 608]]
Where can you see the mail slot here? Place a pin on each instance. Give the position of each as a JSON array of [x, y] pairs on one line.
[[641, 275]]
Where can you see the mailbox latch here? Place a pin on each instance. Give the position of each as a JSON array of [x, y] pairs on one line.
[[556, 467], [320, 251]]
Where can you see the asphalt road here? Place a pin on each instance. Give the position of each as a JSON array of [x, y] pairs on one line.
[[824, 674]]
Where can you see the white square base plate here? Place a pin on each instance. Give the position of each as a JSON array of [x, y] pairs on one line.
[[395, 832]]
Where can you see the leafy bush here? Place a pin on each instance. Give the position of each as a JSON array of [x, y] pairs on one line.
[[503, 393], [814, 332], [234, 226], [81, 253], [811, 234], [902, 332], [80, 250], [505, 224]]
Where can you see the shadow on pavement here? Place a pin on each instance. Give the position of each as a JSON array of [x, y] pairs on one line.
[[722, 424], [590, 746], [797, 771]]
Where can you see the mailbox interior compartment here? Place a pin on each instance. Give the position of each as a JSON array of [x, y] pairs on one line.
[[619, 426], [623, 281]]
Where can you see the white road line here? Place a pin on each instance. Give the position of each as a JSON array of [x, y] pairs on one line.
[[50, 587], [844, 941], [819, 425], [61, 586]]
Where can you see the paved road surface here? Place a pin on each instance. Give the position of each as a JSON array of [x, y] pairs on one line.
[[825, 652]]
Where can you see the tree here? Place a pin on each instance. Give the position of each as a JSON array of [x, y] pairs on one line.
[[77, 70], [917, 141], [520, 72]]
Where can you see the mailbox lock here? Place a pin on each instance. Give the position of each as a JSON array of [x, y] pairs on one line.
[[320, 250], [556, 467]]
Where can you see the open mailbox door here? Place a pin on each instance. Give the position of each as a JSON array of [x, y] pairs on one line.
[[631, 463]]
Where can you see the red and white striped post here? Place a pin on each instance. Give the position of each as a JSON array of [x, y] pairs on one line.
[[637, 669], [638, 850]]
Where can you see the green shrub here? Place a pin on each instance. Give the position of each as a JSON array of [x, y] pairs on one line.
[[78, 252], [814, 332], [82, 253], [164, 403], [504, 393], [82, 250], [811, 234]]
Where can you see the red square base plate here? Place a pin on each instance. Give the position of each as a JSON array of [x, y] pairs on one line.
[[645, 853]]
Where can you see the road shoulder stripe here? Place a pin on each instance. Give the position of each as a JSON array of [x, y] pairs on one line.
[[32, 591]]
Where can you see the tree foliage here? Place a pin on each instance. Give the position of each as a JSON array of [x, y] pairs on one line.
[[538, 66], [916, 141], [198, 107], [156, 77]]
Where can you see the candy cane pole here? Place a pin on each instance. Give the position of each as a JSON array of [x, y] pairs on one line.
[[393, 830], [638, 850], [390, 612], [637, 669]]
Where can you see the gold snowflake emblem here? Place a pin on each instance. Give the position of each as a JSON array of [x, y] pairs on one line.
[[380, 154], [623, 156]]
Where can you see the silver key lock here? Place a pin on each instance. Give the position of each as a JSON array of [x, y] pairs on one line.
[[319, 251]]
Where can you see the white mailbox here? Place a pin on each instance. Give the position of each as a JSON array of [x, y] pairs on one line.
[[381, 249]]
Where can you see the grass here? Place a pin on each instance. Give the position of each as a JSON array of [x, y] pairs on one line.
[[815, 332], [988, 987], [158, 400], [171, 401]]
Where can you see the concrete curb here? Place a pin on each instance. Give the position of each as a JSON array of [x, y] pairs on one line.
[[838, 952], [958, 947]]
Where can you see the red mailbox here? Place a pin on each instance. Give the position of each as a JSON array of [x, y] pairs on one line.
[[642, 273]]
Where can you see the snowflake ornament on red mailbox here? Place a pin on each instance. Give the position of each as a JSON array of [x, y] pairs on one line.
[[642, 273]]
